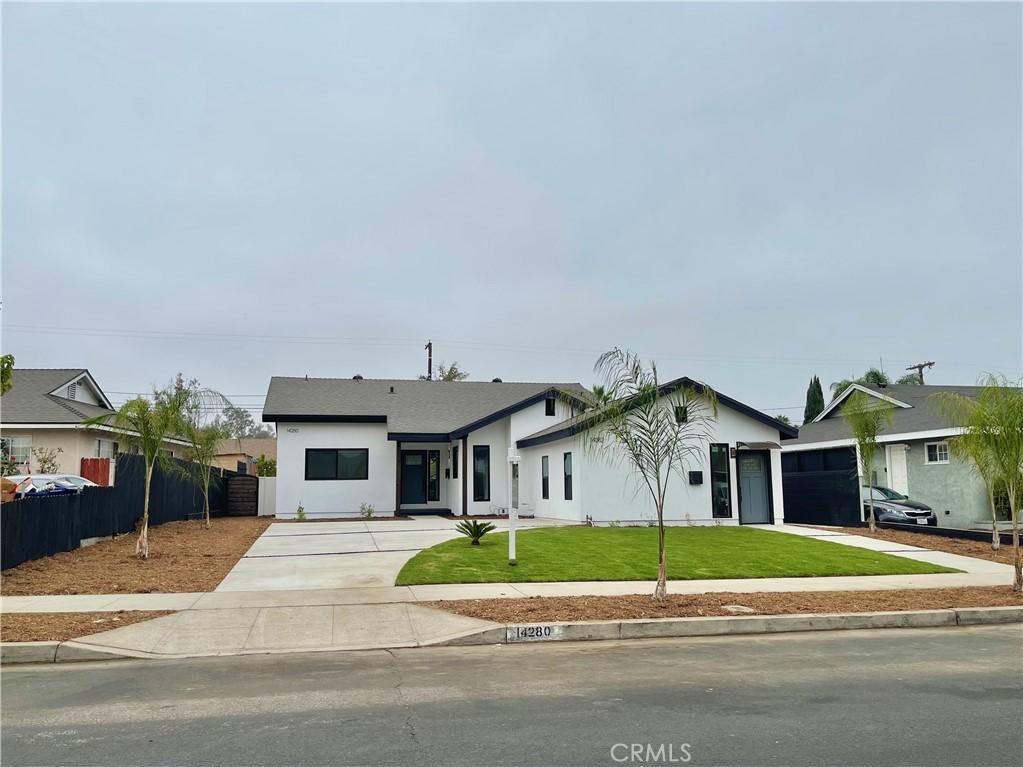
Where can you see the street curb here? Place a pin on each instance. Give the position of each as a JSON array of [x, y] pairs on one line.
[[576, 631], [579, 631]]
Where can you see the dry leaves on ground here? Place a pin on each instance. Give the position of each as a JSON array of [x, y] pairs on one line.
[[60, 627], [555, 609]]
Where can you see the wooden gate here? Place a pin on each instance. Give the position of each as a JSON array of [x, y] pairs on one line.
[[242, 495]]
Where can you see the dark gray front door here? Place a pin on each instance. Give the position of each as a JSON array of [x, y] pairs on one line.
[[754, 500], [413, 476]]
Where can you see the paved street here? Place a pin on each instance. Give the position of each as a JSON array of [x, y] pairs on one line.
[[934, 697]]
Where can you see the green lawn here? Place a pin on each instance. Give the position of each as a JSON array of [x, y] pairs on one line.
[[630, 553]]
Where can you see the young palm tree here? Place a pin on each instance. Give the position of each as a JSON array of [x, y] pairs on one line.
[[146, 424], [865, 416], [656, 430], [994, 420], [203, 444], [972, 448]]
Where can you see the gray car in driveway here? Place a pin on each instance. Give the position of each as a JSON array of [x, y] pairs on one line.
[[891, 506]]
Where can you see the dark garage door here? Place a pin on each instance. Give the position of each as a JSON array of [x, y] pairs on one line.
[[820, 487]]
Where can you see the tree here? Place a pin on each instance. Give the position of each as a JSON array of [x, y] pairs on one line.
[[6, 373], [633, 420], [146, 424], [972, 448], [873, 377], [865, 416], [448, 373], [992, 424], [814, 400], [784, 419], [910, 379], [239, 424], [266, 467]]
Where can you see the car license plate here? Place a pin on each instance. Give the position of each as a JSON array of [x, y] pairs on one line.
[[921, 520]]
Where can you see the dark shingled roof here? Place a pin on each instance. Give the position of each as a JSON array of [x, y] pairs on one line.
[[29, 400], [415, 407], [919, 416]]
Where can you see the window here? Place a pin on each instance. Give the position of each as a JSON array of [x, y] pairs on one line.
[[333, 463], [454, 462], [106, 448], [681, 413], [241, 467], [720, 482], [167, 453], [433, 475], [550, 406], [936, 452], [568, 476], [545, 477], [19, 449], [481, 472]]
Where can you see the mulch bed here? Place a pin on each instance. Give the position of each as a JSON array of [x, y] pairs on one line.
[[961, 546], [557, 609], [183, 556], [60, 627]]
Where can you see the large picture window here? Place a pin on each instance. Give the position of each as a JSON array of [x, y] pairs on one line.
[[336, 463], [545, 477], [19, 449], [481, 472], [720, 481], [568, 476]]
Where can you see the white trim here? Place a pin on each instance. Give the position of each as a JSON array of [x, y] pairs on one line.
[[885, 439], [938, 462], [857, 387], [92, 382]]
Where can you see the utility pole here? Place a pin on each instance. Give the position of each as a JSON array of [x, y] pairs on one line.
[[429, 360], [920, 369]]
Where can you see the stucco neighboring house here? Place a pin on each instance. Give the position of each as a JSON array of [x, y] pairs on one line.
[[914, 458], [477, 448], [45, 409], [240, 454]]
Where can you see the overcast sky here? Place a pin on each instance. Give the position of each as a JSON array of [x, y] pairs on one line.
[[749, 194]]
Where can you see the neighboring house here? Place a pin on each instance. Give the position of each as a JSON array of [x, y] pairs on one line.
[[45, 409], [477, 448], [241, 454], [914, 458]]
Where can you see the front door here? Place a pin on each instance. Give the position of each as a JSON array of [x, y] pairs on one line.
[[898, 477], [413, 476], [754, 498]]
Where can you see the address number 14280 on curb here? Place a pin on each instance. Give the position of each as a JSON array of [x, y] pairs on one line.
[[534, 633]]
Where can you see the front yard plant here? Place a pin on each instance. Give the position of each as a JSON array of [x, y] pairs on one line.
[[474, 529]]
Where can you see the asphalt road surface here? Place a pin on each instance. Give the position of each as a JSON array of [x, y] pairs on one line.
[[911, 697]]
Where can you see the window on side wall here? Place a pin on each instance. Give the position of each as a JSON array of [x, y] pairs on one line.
[[550, 407], [336, 463], [545, 477], [720, 481], [106, 448], [568, 476], [481, 472], [454, 462], [936, 452], [19, 449]]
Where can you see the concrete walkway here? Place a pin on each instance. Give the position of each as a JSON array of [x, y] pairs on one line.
[[261, 619]]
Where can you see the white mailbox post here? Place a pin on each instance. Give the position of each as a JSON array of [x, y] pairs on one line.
[[513, 512]]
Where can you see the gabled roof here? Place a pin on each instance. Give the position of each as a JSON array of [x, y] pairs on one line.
[[877, 393], [249, 446], [575, 425], [31, 401], [412, 410], [911, 415]]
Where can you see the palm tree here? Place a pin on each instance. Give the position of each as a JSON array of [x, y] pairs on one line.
[[865, 416], [873, 377], [992, 424], [657, 430], [146, 424]]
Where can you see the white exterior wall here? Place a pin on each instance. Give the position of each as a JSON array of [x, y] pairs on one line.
[[74, 443], [334, 498], [495, 435], [609, 493]]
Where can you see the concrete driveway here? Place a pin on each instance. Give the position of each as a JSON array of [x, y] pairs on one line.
[[293, 556]]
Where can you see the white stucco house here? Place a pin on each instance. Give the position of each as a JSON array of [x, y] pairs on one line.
[[473, 448]]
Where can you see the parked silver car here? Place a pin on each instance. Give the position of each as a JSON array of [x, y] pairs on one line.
[[890, 506]]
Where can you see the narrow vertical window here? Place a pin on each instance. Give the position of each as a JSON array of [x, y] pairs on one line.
[[545, 477], [454, 462], [433, 475], [481, 472], [720, 481], [550, 407], [568, 476]]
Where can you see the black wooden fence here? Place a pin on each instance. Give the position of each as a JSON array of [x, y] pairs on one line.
[[31, 528]]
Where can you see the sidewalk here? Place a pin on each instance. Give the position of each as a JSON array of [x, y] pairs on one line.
[[231, 622]]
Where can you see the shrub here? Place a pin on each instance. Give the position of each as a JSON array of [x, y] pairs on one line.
[[366, 510], [474, 529], [301, 511]]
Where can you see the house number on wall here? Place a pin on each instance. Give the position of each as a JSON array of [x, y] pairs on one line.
[[292, 431]]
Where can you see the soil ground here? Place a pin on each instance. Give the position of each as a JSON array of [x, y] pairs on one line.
[[556, 609], [183, 557], [60, 627], [966, 548]]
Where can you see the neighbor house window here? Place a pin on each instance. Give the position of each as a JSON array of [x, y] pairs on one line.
[[106, 448], [454, 462], [545, 477], [550, 407], [936, 452], [19, 449], [481, 472], [433, 475], [568, 476], [720, 481], [336, 463]]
